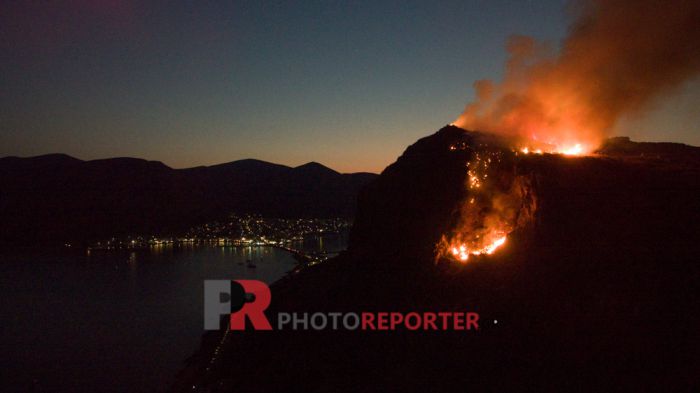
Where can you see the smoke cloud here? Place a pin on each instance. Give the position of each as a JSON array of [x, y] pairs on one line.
[[619, 56]]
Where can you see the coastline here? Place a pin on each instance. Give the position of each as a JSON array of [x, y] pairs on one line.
[[206, 360]]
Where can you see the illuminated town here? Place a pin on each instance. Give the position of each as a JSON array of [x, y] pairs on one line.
[[243, 231]]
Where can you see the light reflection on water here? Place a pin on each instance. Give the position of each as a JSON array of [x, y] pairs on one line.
[[75, 322]]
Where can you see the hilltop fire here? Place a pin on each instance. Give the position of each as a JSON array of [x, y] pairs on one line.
[[618, 59], [615, 62], [575, 150], [498, 200]]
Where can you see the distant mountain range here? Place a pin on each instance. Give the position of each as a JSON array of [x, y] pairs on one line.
[[58, 198]]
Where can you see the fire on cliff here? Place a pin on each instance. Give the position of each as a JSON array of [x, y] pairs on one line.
[[498, 199]]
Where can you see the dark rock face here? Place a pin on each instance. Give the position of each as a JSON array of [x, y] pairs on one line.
[[422, 196], [671, 152], [406, 210], [598, 293]]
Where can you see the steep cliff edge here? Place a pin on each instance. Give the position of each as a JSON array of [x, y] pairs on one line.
[[594, 288]]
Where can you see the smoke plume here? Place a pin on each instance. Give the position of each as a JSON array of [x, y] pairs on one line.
[[619, 56]]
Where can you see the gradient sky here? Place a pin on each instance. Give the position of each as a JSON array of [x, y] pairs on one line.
[[347, 84]]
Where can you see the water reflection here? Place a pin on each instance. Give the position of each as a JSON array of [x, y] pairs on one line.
[[75, 320]]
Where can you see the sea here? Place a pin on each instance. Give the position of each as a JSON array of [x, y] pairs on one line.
[[118, 320]]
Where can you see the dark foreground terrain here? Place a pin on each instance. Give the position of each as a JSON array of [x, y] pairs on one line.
[[599, 292]]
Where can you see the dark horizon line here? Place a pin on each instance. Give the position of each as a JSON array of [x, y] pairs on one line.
[[69, 157]]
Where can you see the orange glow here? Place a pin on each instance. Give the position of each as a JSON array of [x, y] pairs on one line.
[[617, 60], [572, 150], [462, 253], [492, 207]]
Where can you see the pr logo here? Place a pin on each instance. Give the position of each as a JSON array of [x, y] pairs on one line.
[[239, 298]]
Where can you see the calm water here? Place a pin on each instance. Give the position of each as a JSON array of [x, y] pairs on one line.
[[115, 321]]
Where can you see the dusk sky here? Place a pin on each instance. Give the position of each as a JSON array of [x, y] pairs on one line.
[[347, 84]]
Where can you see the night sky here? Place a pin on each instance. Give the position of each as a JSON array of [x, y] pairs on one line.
[[347, 84]]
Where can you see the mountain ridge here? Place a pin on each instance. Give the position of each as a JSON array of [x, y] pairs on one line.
[[57, 198], [66, 158]]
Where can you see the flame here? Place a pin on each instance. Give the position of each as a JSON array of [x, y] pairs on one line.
[[492, 204], [493, 246], [462, 253], [575, 150], [497, 199], [619, 57]]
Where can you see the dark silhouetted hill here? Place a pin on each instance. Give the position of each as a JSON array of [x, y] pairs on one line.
[[672, 152], [598, 293], [57, 198]]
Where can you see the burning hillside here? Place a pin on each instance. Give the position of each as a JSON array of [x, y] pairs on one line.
[[489, 188], [486, 189], [582, 263], [592, 285], [615, 61], [497, 199]]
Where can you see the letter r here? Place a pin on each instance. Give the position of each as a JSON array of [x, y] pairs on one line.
[[254, 309]]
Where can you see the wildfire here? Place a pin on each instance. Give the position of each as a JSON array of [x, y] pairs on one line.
[[575, 150], [498, 198], [619, 57], [462, 253], [611, 64], [492, 208]]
